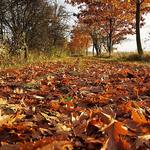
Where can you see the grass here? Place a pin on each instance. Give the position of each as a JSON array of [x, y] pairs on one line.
[[36, 58], [128, 57], [33, 59]]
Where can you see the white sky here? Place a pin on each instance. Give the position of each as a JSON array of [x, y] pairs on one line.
[[130, 43]]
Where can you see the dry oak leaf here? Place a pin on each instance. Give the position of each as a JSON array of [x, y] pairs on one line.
[[3, 101], [116, 130], [62, 128], [111, 144], [10, 119], [80, 123], [138, 116], [57, 145], [143, 140], [51, 143]]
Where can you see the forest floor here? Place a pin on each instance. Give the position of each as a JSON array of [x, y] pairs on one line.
[[75, 104]]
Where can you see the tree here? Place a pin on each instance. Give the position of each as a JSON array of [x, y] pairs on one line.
[[108, 20], [138, 36], [1, 20], [38, 24], [58, 24], [17, 16], [140, 7], [80, 40]]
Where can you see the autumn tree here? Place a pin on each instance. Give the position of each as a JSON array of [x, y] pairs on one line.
[[80, 40], [108, 21], [93, 31], [139, 7], [133, 9], [138, 36]]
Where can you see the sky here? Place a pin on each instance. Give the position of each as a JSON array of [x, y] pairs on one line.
[[128, 44]]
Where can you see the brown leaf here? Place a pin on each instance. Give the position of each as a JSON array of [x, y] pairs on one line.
[[109, 145], [138, 116], [143, 141], [57, 145]]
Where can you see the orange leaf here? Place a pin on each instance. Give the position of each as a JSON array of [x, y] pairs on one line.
[[138, 116]]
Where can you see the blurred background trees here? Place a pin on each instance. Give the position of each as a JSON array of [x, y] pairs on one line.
[[33, 25], [43, 25], [80, 41], [111, 21]]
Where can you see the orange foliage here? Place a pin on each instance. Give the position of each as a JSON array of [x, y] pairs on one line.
[[80, 40]]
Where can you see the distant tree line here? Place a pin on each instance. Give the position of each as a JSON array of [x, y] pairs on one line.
[[32, 24], [108, 22]]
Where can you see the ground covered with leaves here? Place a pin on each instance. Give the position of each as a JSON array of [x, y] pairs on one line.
[[75, 105]]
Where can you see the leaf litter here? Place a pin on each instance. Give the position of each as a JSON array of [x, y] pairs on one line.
[[83, 104]]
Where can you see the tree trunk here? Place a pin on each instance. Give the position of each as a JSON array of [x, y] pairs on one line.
[[25, 47], [110, 47], [100, 50], [95, 44], [96, 48], [1, 30], [138, 36], [110, 39], [26, 52], [86, 52], [93, 50], [109, 44]]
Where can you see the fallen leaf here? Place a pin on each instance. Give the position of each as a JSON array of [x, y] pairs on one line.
[[143, 141]]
